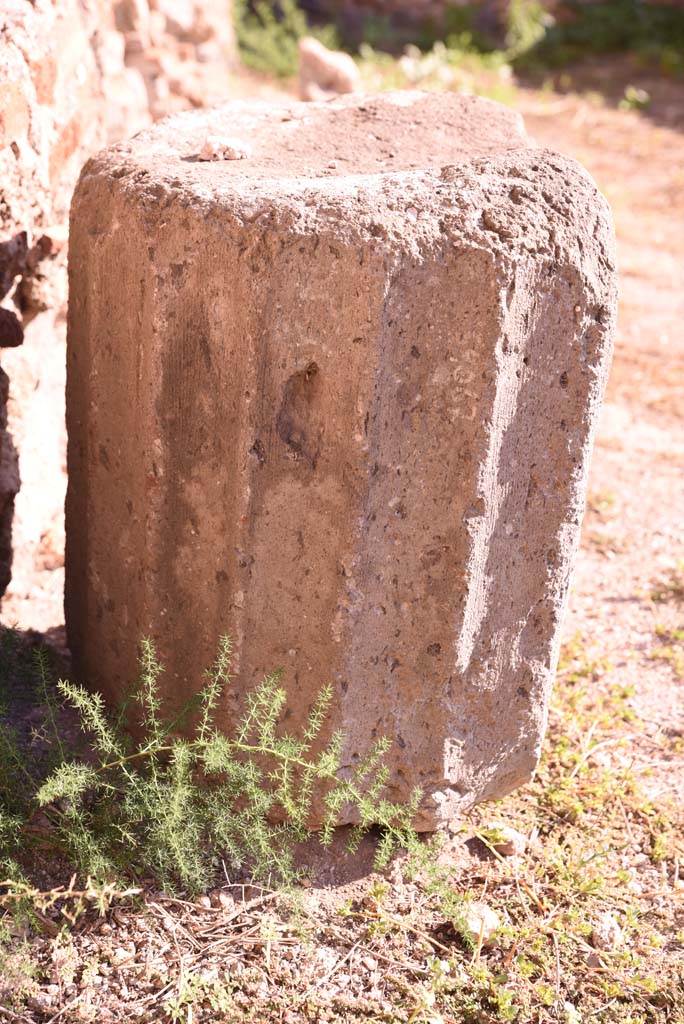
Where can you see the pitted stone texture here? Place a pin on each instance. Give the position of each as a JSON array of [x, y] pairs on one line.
[[337, 399]]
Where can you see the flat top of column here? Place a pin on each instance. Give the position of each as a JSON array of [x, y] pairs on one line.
[[351, 135]]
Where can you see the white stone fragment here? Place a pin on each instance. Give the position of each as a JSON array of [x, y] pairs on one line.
[[606, 933], [482, 923], [218, 148], [507, 841]]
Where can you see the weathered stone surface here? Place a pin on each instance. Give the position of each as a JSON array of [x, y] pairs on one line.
[[337, 399]]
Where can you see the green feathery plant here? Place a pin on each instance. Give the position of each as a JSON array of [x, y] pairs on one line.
[[173, 807], [26, 755]]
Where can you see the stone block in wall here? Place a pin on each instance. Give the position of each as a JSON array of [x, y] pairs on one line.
[[337, 398]]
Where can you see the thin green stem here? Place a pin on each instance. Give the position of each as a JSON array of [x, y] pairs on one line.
[[244, 748], [14, 759], [49, 702]]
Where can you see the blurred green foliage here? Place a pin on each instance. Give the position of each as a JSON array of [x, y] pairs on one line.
[[653, 31], [268, 35], [527, 36]]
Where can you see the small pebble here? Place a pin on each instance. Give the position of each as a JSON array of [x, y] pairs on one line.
[[509, 842], [481, 920], [40, 1001], [226, 900], [606, 932], [572, 1014]]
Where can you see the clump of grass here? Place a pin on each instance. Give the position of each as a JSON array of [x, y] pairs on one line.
[[197, 990], [671, 650], [635, 98], [527, 22], [670, 589], [171, 807], [18, 971]]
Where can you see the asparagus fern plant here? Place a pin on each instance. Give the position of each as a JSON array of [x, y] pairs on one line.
[[172, 806]]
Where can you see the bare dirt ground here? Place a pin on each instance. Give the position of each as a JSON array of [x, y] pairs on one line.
[[603, 837], [633, 532]]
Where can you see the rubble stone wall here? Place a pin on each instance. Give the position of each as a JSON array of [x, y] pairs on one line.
[[74, 75]]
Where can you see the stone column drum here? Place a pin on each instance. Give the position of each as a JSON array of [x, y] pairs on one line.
[[337, 399]]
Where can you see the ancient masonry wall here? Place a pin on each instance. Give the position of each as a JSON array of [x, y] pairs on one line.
[[74, 76]]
